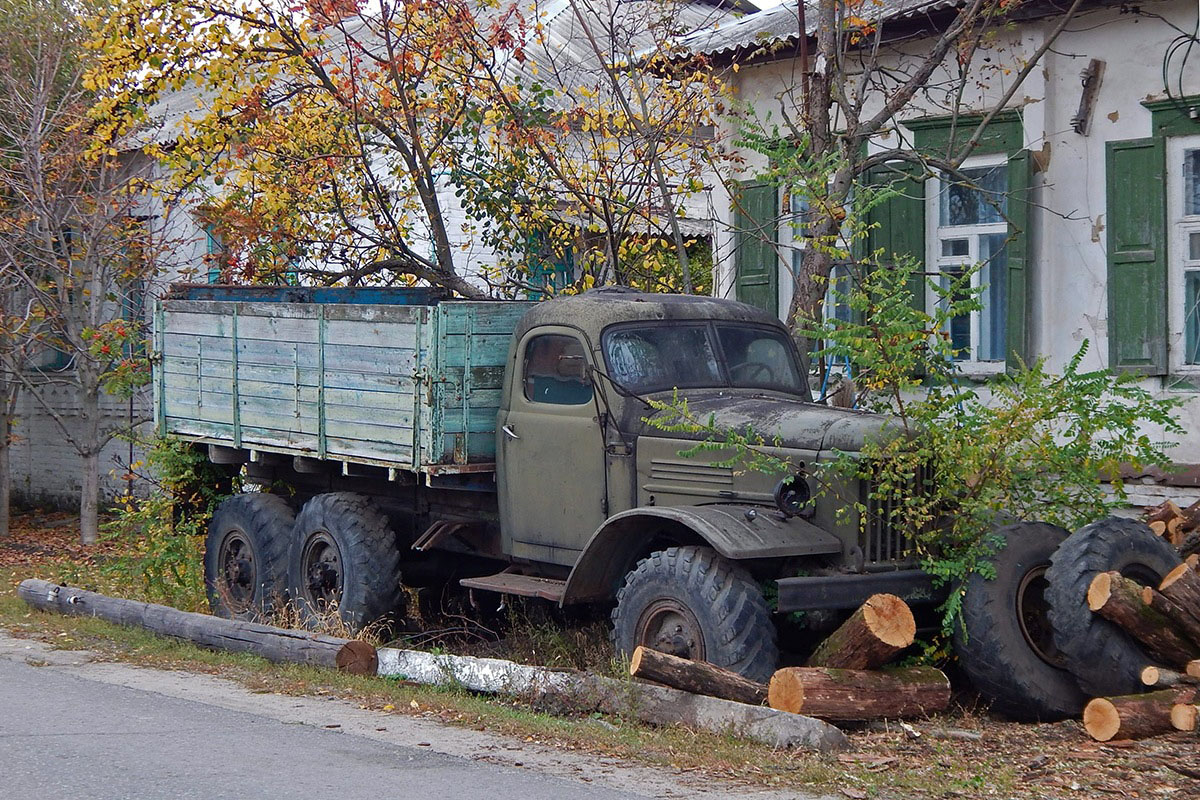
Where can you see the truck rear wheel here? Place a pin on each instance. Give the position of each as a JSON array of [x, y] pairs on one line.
[[245, 555], [1004, 643], [691, 602], [344, 559]]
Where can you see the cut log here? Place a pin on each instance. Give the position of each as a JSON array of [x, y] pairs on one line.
[[568, 690], [1134, 716], [1165, 520], [1191, 518], [236, 636], [873, 636], [842, 695], [1182, 586], [1163, 678], [1119, 600], [1187, 623], [1183, 716], [1193, 669], [697, 677]]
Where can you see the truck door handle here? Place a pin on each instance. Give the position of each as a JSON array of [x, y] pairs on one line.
[[509, 432]]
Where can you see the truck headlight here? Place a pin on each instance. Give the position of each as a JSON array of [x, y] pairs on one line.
[[792, 495]]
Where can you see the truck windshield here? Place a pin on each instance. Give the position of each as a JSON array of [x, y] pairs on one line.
[[665, 355]]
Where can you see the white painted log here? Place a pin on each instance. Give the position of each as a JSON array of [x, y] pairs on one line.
[[657, 705]]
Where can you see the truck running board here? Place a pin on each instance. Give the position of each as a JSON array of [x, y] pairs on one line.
[[523, 585]]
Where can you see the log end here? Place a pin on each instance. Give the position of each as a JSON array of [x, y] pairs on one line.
[[785, 692], [1183, 716], [1099, 590], [1101, 719], [357, 658], [1193, 668], [1150, 676], [635, 661], [890, 619], [1174, 575]]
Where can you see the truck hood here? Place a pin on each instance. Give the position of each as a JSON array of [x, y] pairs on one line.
[[798, 424]]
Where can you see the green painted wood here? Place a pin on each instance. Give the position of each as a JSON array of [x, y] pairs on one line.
[[1137, 264], [755, 234], [407, 386], [896, 224]]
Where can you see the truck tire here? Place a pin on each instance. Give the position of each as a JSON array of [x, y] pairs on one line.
[[245, 555], [1105, 660], [691, 602], [1004, 644], [344, 558]]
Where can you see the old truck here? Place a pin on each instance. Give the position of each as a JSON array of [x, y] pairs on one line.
[[402, 438]]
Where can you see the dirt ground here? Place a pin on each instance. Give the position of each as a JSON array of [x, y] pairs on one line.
[[967, 753]]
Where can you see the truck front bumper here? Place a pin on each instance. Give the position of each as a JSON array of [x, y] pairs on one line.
[[851, 590]]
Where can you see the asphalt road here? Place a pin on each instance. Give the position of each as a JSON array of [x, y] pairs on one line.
[[72, 727]]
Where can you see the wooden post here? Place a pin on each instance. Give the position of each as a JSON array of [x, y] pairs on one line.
[[273, 644], [848, 694], [874, 634], [1119, 600], [698, 677]]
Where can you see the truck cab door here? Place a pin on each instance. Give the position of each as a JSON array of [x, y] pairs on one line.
[[550, 449]]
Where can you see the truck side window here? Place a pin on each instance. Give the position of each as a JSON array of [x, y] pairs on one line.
[[555, 371]]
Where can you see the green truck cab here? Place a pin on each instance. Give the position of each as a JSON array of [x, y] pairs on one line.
[[405, 439]]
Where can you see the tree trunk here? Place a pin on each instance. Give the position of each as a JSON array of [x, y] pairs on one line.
[[851, 695], [1134, 716], [274, 644], [874, 634], [1119, 600], [89, 483], [698, 677], [1182, 586], [5, 474], [1187, 623]]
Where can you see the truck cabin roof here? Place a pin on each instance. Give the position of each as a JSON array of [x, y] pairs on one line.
[[596, 309]]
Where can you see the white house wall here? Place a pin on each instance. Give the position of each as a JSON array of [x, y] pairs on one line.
[[1067, 245]]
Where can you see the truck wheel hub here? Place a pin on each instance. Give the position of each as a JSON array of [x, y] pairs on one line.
[[237, 571], [670, 627]]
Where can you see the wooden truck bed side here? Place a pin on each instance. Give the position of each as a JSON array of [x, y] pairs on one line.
[[412, 387]]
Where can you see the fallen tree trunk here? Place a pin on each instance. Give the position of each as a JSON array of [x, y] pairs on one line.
[[1187, 622], [1184, 716], [844, 695], [697, 677], [1135, 716], [560, 690], [1119, 600], [1163, 678], [874, 634], [274, 644], [1182, 587]]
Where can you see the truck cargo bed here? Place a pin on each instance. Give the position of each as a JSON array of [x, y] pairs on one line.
[[406, 381]]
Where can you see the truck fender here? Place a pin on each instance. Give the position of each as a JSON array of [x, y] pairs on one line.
[[735, 531]]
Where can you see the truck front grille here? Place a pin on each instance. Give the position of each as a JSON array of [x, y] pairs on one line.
[[883, 537]]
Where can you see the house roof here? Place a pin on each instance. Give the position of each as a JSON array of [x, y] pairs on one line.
[[782, 24]]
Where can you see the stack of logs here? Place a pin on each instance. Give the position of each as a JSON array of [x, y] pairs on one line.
[[1165, 621], [842, 681], [1179, 526]]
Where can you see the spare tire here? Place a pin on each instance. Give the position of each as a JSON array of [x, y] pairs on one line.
[[1004, 643], [1105, 659]]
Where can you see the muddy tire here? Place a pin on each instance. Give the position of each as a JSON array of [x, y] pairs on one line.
[[344, 557], [691, 602], [1005, 644], [1105, 660], [245, 555]]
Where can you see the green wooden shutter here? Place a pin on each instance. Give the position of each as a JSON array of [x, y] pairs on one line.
[[755, 258], [1137, 264], [1016, 335], [897, 225]]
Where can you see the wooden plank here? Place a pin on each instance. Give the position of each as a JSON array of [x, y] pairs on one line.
[[397, 453], [369, 334]]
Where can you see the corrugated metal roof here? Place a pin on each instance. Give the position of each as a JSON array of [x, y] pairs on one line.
[[781, 24]]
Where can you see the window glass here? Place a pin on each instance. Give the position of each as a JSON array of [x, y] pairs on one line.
[[555, 371], [757, 357], [661, 356], [1191, 323], [1191, 182], [993, 276], [981, 202]]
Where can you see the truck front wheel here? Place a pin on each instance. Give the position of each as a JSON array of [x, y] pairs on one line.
[[691, 602], [344, 559], [245, 555]]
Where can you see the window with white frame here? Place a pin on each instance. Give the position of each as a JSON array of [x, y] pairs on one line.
[[968, 227], [1183, 210]]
